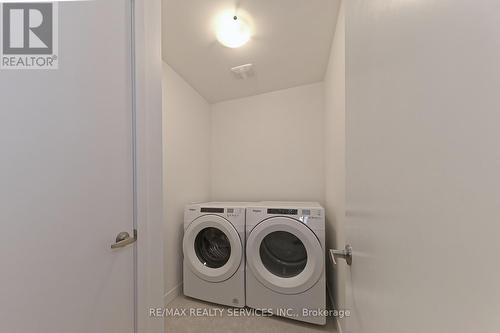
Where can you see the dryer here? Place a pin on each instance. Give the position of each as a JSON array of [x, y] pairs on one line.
[[214, 252], [285, 252]]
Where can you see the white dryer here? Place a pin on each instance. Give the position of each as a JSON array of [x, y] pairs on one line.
[[214, 252], [285, 251]]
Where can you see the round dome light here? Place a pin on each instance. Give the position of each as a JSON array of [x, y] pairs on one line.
[[232, 31]]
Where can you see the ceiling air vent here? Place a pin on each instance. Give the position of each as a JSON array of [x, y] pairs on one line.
[[243, 72]]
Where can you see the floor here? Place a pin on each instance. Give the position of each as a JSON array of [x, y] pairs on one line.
[[218, 320]]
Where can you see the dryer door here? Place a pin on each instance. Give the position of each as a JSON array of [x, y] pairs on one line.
[[285, 255], [212, 248]]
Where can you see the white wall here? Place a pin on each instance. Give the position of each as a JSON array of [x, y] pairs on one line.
[[335, 157], [186, 123], [269, 146]]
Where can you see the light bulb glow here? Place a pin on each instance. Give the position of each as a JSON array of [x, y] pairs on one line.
[[232, 31]]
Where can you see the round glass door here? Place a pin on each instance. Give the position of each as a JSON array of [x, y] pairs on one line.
[[212, 247], [283, 254]]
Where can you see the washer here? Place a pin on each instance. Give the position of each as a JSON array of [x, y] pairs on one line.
[[214, 252], [285, 252]]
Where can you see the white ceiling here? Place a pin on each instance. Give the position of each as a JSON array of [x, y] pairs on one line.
[[290, 46]]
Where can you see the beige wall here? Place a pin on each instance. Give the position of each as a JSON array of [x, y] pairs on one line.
[[335, 157], [186, 121], [269, 146]]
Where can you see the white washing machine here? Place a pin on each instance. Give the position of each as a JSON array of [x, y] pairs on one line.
[[285, 252], [214, 252]]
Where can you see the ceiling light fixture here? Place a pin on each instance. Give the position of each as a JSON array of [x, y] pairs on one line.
[[232, 31]]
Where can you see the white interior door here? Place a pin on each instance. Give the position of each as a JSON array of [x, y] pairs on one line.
[[66, 180], [423, 165]]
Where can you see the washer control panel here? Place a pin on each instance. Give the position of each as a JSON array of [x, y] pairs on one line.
[[311, 212], [233, 212]]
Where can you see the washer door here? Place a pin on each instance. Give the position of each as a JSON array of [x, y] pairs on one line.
[[285, 255], [212, 248]]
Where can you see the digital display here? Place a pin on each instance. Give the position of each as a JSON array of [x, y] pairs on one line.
[[282, 211], [212, 210]]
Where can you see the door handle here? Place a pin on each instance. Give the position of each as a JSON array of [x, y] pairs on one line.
[[343, 254], [123, 239]]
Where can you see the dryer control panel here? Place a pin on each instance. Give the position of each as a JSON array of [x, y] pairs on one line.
[[282, 211], [297, 212], [305, 215]]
